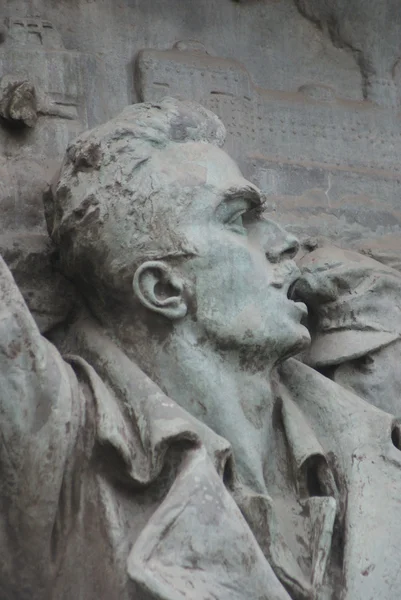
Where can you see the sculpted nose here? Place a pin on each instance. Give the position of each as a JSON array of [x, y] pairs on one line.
[[279, 244]]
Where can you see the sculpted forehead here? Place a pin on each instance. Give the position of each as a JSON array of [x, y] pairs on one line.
[[195, 164]]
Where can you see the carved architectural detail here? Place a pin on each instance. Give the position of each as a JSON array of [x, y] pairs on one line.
[[43, 87], [278, 125], [32, 31], [293, 144]]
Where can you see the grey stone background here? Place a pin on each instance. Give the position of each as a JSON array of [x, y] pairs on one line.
[[310, 92]]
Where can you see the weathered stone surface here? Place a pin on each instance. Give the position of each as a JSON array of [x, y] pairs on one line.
[[49, 296], [188, 452], [168, 430], [355, 323], [300, 77], [362, 28], [46, 88], [328, 167], [18, 101]]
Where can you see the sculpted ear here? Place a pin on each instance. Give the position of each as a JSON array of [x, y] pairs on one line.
[[159, 289]]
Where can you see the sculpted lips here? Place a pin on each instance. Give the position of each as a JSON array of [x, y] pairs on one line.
[[292, 291], [293, 282], [294, 296]]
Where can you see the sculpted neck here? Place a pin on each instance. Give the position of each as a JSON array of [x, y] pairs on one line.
[[215, 387]]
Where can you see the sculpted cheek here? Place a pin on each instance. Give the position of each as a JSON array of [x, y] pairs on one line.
[[192, 174], [250, 317]]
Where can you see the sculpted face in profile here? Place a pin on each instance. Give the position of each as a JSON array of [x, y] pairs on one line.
[[167, 241], [157, 218], [167, 449]]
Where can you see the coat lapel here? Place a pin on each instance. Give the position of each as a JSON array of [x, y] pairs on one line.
[[223, 542], [197, 544], [363, 440]]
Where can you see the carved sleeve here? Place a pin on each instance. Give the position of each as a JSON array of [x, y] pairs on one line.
[[40, 417]]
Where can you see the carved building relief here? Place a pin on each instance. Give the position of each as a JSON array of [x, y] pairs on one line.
[[165, 444], [323, 161], [45, 102]]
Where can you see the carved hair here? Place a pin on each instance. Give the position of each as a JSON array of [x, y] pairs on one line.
[[103, 175]]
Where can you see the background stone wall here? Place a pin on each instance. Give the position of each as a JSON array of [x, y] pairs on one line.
[[310, 92]]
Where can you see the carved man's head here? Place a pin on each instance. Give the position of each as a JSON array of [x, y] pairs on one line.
[[150, 214]]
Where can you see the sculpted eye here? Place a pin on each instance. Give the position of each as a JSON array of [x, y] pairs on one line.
[[238, 211], [236, 223], [253, 214]]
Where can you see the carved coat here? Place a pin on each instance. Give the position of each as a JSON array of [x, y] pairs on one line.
[[110, 490]]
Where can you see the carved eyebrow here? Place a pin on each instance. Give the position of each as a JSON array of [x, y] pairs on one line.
[[248, 194]]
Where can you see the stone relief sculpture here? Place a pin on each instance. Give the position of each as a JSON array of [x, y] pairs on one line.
[[349, 25], [355, 321], [328, 164], [169, 447], [44, 104], [18, 102]]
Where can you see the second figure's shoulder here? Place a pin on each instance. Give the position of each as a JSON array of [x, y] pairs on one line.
[[339, 417]]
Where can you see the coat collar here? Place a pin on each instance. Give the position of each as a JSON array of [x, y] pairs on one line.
[[142, 424]]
